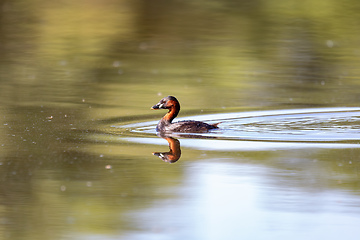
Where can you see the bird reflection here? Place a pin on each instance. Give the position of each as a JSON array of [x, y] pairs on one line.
[[174, 145], [175, 152]]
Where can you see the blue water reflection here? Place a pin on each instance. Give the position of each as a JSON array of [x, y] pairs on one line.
[[232, 201]]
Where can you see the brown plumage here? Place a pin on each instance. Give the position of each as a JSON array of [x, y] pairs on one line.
[[166, 125]]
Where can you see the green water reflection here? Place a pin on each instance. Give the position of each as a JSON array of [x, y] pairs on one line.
[[70, 69]]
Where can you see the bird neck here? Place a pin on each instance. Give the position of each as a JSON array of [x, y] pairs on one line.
[[173, 112]]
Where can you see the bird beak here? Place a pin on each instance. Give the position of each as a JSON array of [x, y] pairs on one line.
[[154, 107], [157, 106]]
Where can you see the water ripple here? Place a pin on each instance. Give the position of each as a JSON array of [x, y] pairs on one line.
[[295, 125]]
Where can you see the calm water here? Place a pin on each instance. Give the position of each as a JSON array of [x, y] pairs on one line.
[[80, 158]]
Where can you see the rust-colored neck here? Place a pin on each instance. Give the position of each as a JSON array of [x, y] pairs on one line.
[[175, 151], [173, 112]]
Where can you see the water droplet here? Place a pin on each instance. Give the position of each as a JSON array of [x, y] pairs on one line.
[[330, 43], [116, 64]]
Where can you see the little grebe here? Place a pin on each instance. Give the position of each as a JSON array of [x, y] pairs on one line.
[[175, 151], [166, 125]]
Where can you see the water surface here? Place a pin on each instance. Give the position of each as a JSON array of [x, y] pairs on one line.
[[77, 137]]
